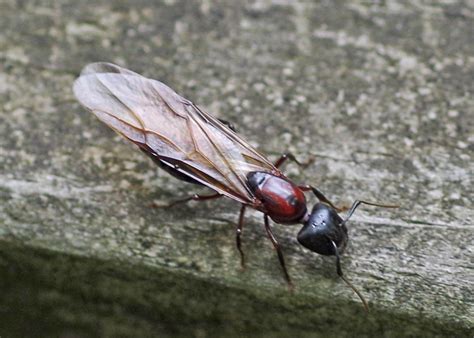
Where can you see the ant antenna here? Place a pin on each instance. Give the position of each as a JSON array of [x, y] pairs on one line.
[[340, 274], [358, 202]]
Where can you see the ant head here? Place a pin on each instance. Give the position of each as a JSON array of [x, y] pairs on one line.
[[325, 233], [322, 228]]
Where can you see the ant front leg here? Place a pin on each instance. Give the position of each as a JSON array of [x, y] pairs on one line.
[[289, 156], [276, 245], [194, 197], [321, 196]]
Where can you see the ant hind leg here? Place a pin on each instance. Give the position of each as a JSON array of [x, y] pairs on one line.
[[238, 233]]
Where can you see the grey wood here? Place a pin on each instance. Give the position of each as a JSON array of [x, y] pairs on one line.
[[380, 94]]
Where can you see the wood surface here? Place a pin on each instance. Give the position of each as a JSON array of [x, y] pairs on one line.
[[379, 93]]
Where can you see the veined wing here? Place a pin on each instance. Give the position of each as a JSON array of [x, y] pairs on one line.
[[172, 128]]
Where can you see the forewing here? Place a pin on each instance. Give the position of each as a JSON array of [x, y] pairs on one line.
[[179, 133]]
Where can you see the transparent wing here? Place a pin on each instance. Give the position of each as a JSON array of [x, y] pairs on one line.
[[172, 128]]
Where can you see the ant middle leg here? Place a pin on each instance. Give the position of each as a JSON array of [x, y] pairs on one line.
[[277, 247]]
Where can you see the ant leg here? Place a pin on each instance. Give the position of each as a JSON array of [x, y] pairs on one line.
[[359, 202], [276, 245], [349, 284], [285, 157], [320, 196], [289, 156], [228, 124], [238, 233], [194, 197]]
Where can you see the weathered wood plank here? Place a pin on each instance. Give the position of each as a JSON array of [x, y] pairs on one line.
[[379, 94]]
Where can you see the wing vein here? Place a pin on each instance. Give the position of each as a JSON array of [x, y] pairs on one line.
[[222, 156], [171, 129], [196, 147], [122, 103]]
